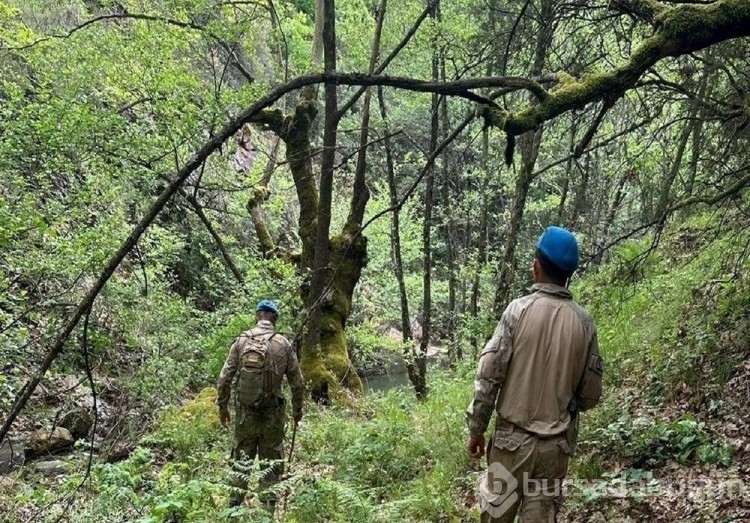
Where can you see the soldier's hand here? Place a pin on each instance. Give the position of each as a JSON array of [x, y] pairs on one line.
[[224, 418], [476, 446], [297, 417]]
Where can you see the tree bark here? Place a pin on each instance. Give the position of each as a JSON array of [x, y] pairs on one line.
[[481, 241], [529, 152], [671, 175], [581, 192], [361, 193], [322, 280], [692, 128], [410, 354], [454, 350], [421, 357], [568, 172]]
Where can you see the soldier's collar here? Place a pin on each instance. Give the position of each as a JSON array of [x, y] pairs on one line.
[[265, 324], [553, 289]]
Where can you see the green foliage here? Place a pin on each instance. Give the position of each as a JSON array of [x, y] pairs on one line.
[[199, 414], [368, 348], [93, 124], [675, 313], [652, 442], [388, 459]]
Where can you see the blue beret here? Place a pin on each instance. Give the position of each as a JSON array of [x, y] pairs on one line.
[[559, 247], [267, 306]]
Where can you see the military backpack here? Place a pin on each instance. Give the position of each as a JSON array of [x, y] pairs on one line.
[[255, 378]]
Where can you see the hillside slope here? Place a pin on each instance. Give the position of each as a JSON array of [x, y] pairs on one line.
[[669, 443]]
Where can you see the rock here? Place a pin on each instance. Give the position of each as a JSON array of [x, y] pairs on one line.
[[56, 389], [78, 421], [11, 455], [49, 468], [118, 452], [45, 441]]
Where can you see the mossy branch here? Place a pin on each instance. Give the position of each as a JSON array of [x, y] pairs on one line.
[[270, 120], [259, 195], [680, 30]]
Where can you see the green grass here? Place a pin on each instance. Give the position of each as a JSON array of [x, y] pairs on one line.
[[385, 458], [660, 318], [676, 322]]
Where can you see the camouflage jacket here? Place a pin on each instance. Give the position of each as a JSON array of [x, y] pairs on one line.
[[530, 368], [283, 362]]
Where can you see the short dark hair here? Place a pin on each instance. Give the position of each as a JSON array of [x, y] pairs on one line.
[[552, 271]]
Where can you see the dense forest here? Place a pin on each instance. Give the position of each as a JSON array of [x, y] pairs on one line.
[[382, 171]]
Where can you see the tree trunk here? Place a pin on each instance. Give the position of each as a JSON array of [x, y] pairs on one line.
[[410, 353], [669, 178], [421, 357], [481, 241], [523, 182], [454, 350], [687, 131], [325, 361], [529, 146], [568, 172], [581, 192]]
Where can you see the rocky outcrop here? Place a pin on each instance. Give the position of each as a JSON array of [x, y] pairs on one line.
[[49, 468], [78, 421], [46, 441]]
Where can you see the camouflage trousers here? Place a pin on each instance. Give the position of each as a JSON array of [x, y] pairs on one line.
[[524, 476], [257, 433]]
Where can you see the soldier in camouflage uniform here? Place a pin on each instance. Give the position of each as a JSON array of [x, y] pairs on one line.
[[538, 370], [259, 420]]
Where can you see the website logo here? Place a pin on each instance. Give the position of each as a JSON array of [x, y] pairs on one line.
[[497, 490]]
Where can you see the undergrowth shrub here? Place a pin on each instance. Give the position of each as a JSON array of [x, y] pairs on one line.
[[676, 324], [389, 458], [649, 442]]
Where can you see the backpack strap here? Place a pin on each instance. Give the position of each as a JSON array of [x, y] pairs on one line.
[[253, 336]]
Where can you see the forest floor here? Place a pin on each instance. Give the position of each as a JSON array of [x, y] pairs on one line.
[[364, 462], [669, 442], [693, 464]]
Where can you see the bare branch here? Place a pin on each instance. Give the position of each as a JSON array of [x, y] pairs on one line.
[[198, 210], [393, 54], [741, 184], [591, 132], [644, 10]]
